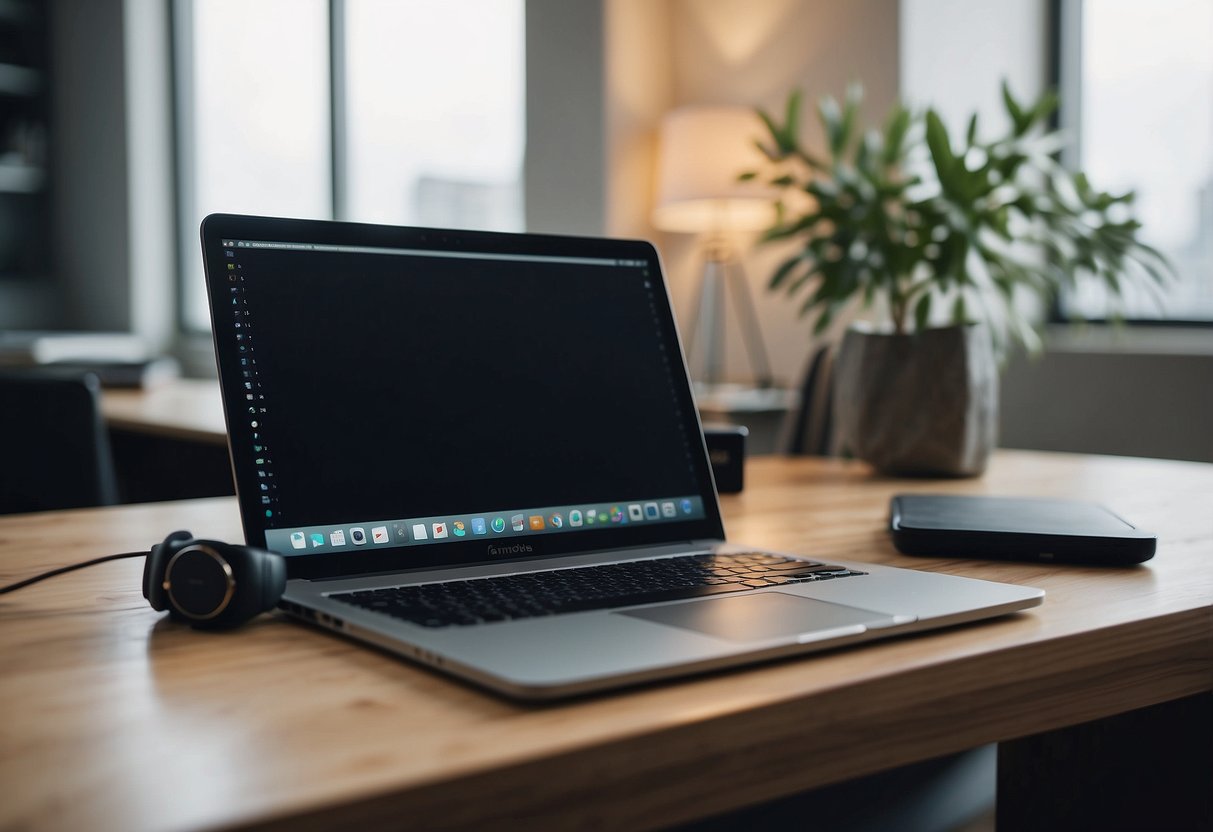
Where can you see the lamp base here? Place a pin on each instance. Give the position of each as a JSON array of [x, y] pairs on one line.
[[723, 276]]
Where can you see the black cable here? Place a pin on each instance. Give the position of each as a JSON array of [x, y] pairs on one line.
[[74, 566]]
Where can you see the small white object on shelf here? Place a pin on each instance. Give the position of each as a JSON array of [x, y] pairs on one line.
[[27, 348]]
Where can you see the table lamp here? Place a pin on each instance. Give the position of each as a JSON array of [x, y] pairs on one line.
[[702, 152]]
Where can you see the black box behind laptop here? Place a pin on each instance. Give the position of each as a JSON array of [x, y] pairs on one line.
[[726, 451]]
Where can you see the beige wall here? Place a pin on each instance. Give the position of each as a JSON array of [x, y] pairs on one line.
[[662, 54]]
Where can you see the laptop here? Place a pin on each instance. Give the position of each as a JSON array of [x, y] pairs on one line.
[[480, 451]]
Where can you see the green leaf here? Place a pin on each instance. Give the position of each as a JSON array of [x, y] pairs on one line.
[[1043, 108], [747, 176], [785, 269], [792, 120], [823, 320], [812, 161], [941, 151], [971, 135], [831, 122], [780, 150], [1013, 109], [895, 132], [959, 312], [850, 112], [922, 312]]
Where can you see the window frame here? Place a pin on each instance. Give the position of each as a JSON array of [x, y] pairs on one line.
[[184, 152], [181, 69], [1064, 52]]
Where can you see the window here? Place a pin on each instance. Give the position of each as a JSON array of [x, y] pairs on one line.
[[1137, 88], [365, 110]]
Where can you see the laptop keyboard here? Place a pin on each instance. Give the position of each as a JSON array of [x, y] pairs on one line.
[[556, 591]]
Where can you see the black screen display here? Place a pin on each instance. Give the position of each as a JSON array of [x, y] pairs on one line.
[[390, 381]]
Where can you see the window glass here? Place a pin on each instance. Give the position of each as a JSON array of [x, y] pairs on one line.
[[255, 116], [433, 105], [1146, 124], [434, 112]]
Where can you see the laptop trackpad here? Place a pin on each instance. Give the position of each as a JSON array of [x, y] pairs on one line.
[[763, 616]]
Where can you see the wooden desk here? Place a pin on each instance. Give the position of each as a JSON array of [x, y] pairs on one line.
[[115, 718], [191, 410], [184, 409], [169, 441], [179, 426]]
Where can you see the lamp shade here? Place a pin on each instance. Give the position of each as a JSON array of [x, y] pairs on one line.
[[702, 151]]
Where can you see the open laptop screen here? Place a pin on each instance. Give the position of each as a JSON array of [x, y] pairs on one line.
[[450, 396]]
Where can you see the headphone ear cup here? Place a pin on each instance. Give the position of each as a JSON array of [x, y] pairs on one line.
[[258, 579], [273, 584], [154, 566]]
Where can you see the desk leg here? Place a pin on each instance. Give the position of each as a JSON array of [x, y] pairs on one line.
[[1146, 769]]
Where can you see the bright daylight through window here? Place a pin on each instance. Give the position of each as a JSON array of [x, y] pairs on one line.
[[429, 127], [1145, 86]]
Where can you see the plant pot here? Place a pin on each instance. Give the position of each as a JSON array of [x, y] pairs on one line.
[[924, 404]]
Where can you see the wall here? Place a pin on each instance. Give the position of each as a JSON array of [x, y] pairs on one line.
[[670, 53], [956, 53], [89, 156], [111, 172], [1140, 392], [564, 165], [1128, 392]]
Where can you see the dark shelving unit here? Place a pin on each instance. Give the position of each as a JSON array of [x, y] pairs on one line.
[[24, 136]]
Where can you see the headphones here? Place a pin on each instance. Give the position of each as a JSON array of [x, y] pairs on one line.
[[209, 584]]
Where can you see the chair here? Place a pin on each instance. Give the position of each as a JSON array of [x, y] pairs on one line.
[[54, 449], [811, 427]]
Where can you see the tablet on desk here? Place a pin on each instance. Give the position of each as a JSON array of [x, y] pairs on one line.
[[1016, 528]]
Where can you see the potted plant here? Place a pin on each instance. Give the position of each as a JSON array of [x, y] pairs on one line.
[[948, 241]]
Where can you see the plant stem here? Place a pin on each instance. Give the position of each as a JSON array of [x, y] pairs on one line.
[[899, 304]]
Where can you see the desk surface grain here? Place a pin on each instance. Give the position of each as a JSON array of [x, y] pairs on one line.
[[187, 409], [115, 718]]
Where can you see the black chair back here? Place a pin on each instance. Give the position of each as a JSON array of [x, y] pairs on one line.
[[811, 428], [54, 449]]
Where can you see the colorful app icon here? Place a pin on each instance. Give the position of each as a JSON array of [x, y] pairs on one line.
[[536, 521], [478, 526], [635, 512], [459, 528], [440, 530], [379, 535], [401, 530], [651, 512], [419, 532], [518, 522], [556, 521], [298, 540], [499, 524], [337, 538], [358, 535], [575, 518], [591, 517], [667, 509], [317, 539], [686, 506], [616, 514]]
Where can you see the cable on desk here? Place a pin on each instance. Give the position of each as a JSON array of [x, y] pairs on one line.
[[71, 568]]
